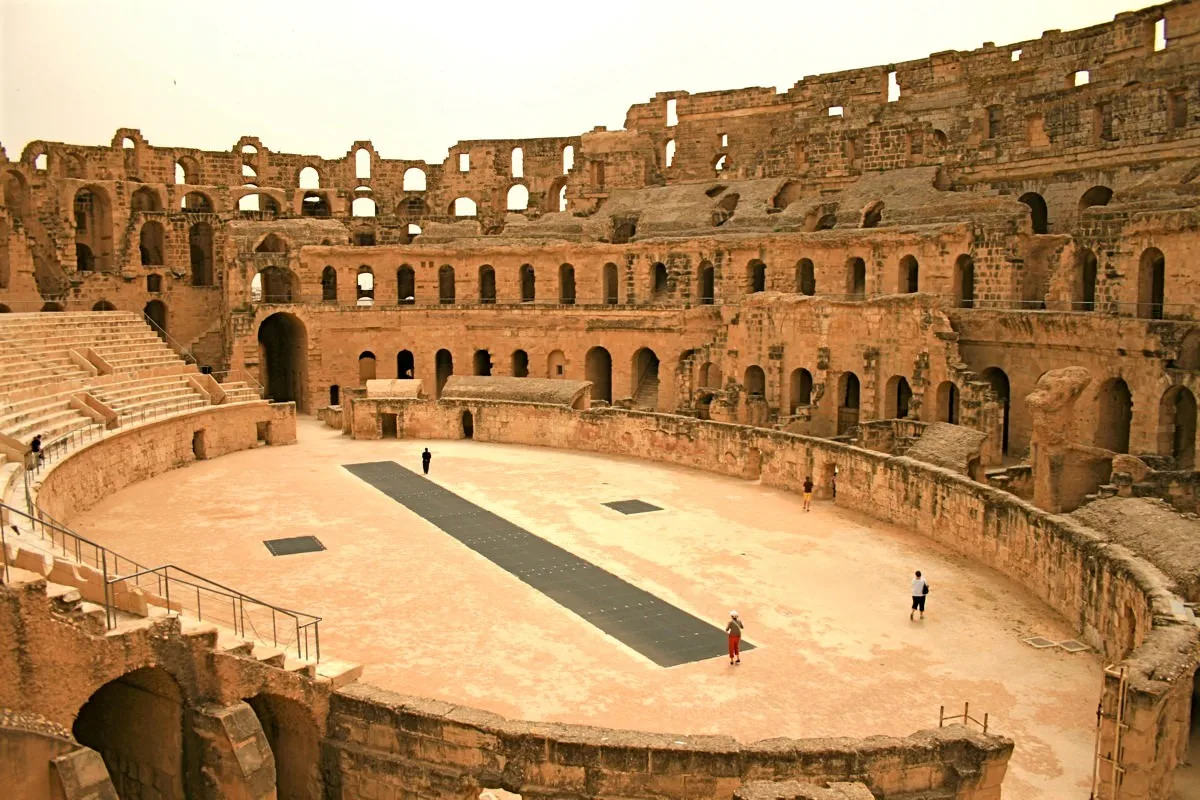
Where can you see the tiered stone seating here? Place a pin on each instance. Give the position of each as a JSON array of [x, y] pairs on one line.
[[156, 396], [239, 392]]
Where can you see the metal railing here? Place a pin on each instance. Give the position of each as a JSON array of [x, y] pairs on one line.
[[231, 375], [56, 449], [964, 717], [170, 587], [175, 345]]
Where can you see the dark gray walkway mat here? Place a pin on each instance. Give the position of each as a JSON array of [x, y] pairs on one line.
[[294, 545], [632, 506], [666, 635]]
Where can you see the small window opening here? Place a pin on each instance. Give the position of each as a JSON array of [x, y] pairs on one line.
[[1160, 35], [720, 165], [670, 152], [310, 178], [1177, 110], [39, 162], [1080, 78], [724, 140], [835, 111], [464, 162], [518, 198], [1016, 54], [568, 158], [518, 163], [672, 113], [362, 163], [414, 179], [893, 89], [464, 207]]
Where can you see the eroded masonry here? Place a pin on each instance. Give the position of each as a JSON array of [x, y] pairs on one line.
[[966, 283]]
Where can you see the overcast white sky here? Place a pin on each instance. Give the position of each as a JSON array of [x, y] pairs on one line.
[[311, 77]]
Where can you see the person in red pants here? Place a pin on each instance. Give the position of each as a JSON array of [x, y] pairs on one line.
[[734, 629]]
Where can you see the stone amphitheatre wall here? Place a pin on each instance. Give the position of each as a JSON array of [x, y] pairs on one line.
[[1122, 605]]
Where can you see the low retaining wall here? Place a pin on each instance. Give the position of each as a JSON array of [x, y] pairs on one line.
[[1119, 603]]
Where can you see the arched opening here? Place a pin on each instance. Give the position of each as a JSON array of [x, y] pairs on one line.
[[1177, 426], [329, 281], [309, 178], [708, 286], [272, 243], [528, 283], [1084, 291], [152, 243], [556, 364], [446, 289], [104, 305], [200, 249], [568, 158], [964, 281], [196, 203], [406, 365], [145, 199], [276, 285], [659, 282], [610, 284], [364, 284], [468, 425], [908, 281], [93, 226], [153, 284], [362, 206], [283, 356], [562, 198], [335, 395], [947, 402], [5, 309], [998, 380], [136, 724], [362, 163], [463, 207], [406, 285], [518, 198], [566, 285], [1151, 283], [1095, 196], [156, 312], [756, 276], [517, 159], [800, 388], [292, 735], [52, 306], [520, 364], [755, 381], [848, 402], [669, 153], [644, 387], [84, 260], [710, 375], [856, 278], [898, 398], [724, 210], [444, 364], [481, 364], [806, 277], [1189, 352], [598, 370], [1038, 215], [187, 171], [1115, 414], [872, 215], [414, 180], [314, 204], [487, 284]]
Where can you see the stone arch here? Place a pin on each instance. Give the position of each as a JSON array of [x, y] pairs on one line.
[[152, 243], [136, 723], [806, 277], [598, 370], [644, 378], [155, 311], [308, 178], [1038, 215], [406, 365], [103, 305], [277, 285], [487, 284], [414, 180], [707, 290], [446, 287], [481, 363], [1083, 294], [756, 276], [271, 243], [610, 287], [1114, 415], [659, 283], [444, 368], [145, 199], [329, 282], [849, 400], [93, 226], [556, 364], [52, 306], [294, 740], [755, 381], [468, 425], [197, 203], [518, 198], [283, 358], [566, 284], [200, 252], [800, 387], [872, 215], [856, 278], [908, 280], [528, 283], [964, 281], [406, 285], [897, 398], [1151, 283], [998, 380], [947, 402], [1095, 196], [187, 171], [315, 204], [520, 364], [364, 286], [1177, 426], [367, 367], [710, 375]]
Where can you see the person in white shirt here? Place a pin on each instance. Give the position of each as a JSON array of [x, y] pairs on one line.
[[920, 588]]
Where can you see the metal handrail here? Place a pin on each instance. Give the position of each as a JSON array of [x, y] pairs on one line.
[[242, 375], [183, 351]]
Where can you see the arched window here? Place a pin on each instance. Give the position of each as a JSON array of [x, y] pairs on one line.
[[659, 283], [964, 281], [1084, 294], [598, 370], [1038, 214], [362, 163], [568, 155], [947, 402], [528, 284], [406, 285], [405, 365], [363, 205], [1151, 283], [908, 281], [329, 282], [309, 178], [1177, 427], [755, 381], [487, 285], [566, 285], [151, 243], [708, 287], [1115, 414], [187, 171], [414, 179], [756, 275], [872, 214], [518, 198], [556, 364], [314, 204], [610, 284], [856, 278], [364, 284], [1095, 196], [446, 284], [670, 153], [145, 199], [200, 246], [518, 162], [366, 366], [898, 398], [482, 363], [998, 380], [562, 198], [444, 366], [848, 402], [463, 207], [800, 389], [520, 364], [806, 277], [248, 202]]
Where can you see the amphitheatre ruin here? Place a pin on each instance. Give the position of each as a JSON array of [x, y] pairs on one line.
[[952, 291]]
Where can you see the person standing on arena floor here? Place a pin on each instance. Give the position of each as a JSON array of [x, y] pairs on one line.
[[426, 457], [920, 588], [734, 629], [808, 489]]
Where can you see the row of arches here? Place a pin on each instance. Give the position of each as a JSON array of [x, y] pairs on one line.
[[1039, 213], [447, 284]]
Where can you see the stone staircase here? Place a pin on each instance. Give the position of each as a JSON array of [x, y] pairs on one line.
[[647, 394], [240, 392], [155, 397]]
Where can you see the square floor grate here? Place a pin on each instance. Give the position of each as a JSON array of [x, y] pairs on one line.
[[294, 545], [1073, 646], [1039, 642], [632, 506]]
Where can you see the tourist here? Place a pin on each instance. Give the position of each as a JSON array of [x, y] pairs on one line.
[[734, 629], [35, 447], [833, 483], [920, 588], [426, 457], [808, 487]]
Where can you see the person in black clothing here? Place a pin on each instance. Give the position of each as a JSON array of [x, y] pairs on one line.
[[35, 447], [426, 457], [808, 489]]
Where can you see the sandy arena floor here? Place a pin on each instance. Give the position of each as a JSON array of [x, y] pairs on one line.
[[825, 597]]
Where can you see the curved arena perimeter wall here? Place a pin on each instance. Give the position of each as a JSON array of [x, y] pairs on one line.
[[375, 739]]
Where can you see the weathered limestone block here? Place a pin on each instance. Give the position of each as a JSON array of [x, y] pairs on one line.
[[81, 775], [236, 760]]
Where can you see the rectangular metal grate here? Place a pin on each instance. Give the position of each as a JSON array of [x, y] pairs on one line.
[[632, 506], [1039, 642], [293, 545], [667, 635], [1073, 646]]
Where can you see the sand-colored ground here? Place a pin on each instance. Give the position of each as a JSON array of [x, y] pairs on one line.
[[825, 597]]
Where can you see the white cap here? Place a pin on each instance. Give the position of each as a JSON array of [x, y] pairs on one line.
[[733, 613]]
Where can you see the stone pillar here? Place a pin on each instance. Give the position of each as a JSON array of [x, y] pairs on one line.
[[235, 759], [81, 775], [1052, 406]]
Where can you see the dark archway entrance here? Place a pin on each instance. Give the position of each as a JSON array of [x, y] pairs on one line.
[[947, 403], [998, 380], [848, 402], [292, 735], [520, 364], [283, 358], [136, 724], [1177, 427], [156, 312], [482, 363], [405, 364], [1116, 414], [598, 370], [645, 379], [445, 368], [468, 425]]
